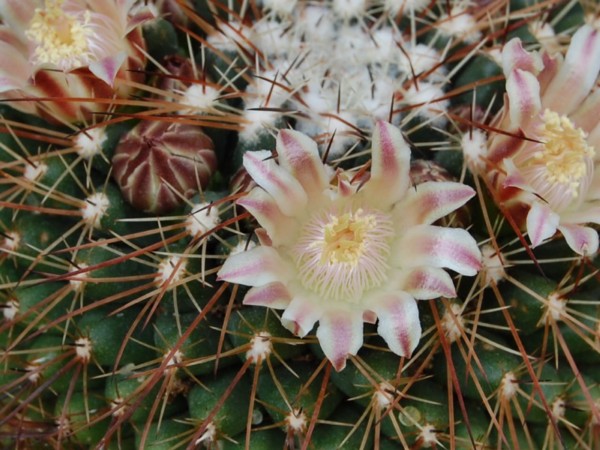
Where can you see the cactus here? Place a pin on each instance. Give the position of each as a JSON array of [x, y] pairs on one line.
[[288, 224]]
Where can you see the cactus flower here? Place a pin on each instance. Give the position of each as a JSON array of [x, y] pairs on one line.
[[544, 166], [68, 48], [342, 249]]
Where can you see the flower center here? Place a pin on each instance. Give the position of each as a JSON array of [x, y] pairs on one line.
[[344, 238], [60, 37], [340, 255], [565, 151]]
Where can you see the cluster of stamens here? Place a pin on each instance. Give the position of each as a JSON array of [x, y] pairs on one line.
[[565, 152], [340, 255], [60, 39]]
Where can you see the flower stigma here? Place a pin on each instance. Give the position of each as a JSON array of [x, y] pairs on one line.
[[340, 255], [565, 152], [60, 38]]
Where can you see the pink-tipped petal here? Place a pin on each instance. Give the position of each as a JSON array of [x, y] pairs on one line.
[[264, 209], [523, 91], [300, 316], [390, 165], [272, 295], [255, 267], [17, 14], [542, 223], [425, 283], [430, 201], [586, 116], [340, 335], [345, 189], [399, 322], [514, 56], [578, 73], [285, 189], [428, 245], [582, 240], [106, 69], [141, 16], [300, 156]]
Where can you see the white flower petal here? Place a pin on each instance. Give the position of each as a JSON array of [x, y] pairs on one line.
[[107, 68], [390, 165], [264, 209], [430, 201], [542, 223], [273, 295], [399, 322], [17, 14], [300, 156], [523, 91], [514, 56], [428, 245], [340, 335], [301, 315], [255, 267], [578, 73], [285, 189], [583, 240], [425, 283], [586, 116]]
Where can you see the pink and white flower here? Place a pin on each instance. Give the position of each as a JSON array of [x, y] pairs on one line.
[[341, 252], [544, 169], [68, 48]]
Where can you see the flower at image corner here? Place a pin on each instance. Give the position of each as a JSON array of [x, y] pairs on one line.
[[544, 167], [68, 48], [342, 252]]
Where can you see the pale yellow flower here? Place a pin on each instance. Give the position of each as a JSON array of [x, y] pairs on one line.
[[342, 251], [544, 159]]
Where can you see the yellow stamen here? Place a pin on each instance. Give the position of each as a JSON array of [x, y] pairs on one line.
[[60, 39], [344, 238], [565, 151]]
